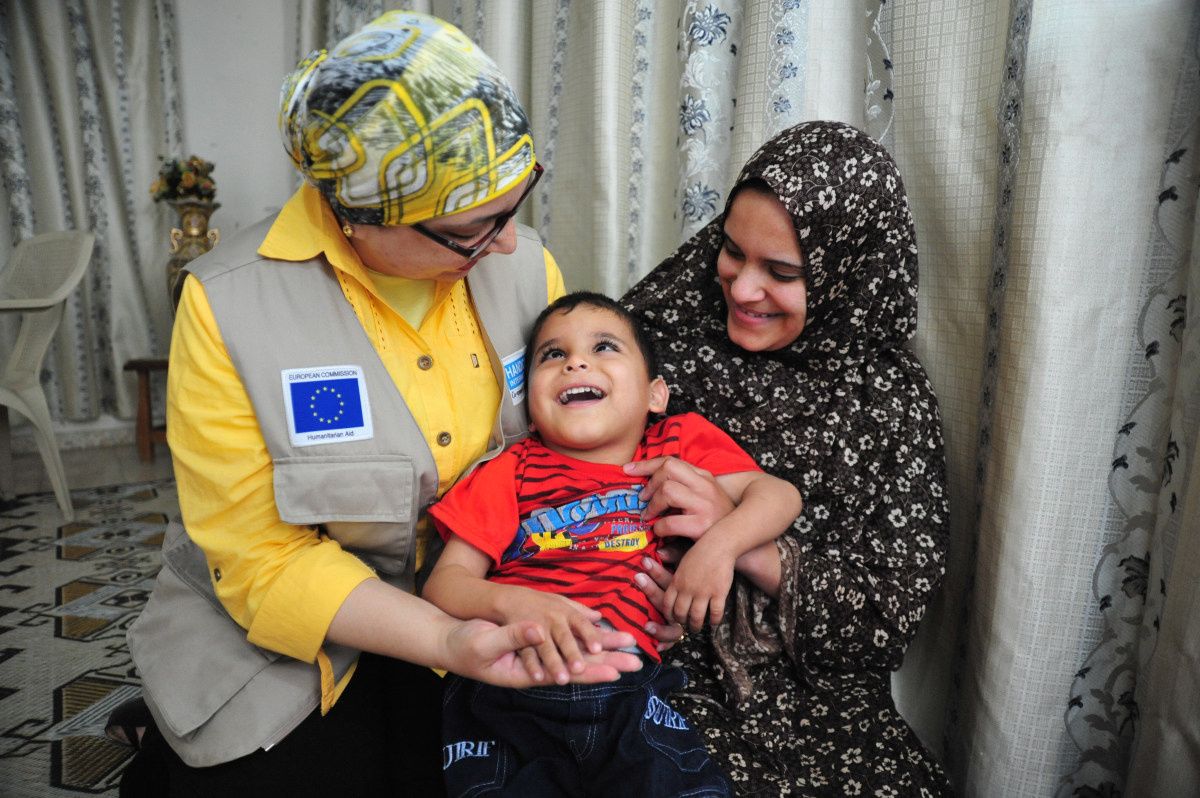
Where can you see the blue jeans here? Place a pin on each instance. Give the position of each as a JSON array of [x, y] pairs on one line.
[[620, 738]]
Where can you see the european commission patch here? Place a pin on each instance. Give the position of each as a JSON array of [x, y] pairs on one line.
[[326, 404]]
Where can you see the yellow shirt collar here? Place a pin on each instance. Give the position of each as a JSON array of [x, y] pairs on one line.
[[306, 228]]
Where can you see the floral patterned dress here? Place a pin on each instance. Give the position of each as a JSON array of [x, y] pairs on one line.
[[794, 693]]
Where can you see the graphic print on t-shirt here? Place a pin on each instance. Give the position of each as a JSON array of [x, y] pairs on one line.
[[609, 521], [580, 534]]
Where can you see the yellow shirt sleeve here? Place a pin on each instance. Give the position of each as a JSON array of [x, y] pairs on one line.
[[554, 279], [281, 582]]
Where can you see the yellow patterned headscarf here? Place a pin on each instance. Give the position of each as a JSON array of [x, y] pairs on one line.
[[405, 120]]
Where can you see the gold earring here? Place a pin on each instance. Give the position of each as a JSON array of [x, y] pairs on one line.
[[347, 230]]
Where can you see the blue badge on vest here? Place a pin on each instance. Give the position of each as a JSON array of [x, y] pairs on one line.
[[326, 404], [514, 375]]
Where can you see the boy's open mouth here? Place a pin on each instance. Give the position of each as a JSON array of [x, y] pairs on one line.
[[580, 393]]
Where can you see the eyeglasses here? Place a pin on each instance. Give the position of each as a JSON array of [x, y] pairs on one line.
[[475, 251]]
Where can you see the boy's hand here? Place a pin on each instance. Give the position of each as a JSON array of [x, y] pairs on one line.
[[482, 651], [568, 624], [701, 584]]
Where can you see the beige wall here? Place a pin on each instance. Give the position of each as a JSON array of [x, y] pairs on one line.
[[232, 58]]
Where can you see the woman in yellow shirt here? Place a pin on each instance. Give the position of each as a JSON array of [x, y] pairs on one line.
[[333, 371]]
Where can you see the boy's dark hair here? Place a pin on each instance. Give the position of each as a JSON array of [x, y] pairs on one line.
[[569, 302]]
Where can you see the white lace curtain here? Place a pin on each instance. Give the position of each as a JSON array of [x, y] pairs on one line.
[[1050, 153], [87, 104]]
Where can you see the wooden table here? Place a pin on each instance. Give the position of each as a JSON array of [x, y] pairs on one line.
[[147, 433]]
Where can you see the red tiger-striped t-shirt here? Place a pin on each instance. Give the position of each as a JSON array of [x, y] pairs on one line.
[[578, 530]]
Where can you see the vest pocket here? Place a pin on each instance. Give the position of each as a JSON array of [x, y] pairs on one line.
[[314, 490], [366, 503]]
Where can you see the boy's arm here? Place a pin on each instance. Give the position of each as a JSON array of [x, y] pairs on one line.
[[764, 507], [762, 567], [454, 585], [458, 585]]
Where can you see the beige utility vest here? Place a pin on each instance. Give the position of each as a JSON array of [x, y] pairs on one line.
[[214, 695]]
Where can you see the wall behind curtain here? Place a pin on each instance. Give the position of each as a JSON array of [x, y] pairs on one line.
[[88, 99], [232, 58]]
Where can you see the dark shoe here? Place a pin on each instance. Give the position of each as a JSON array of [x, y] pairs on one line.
[[128, 721]]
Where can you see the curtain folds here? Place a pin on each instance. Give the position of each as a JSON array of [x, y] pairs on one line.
[[87, 107]]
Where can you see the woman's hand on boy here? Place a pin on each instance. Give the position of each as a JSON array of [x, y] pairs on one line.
[[571, 632], [684, 500], [483, 651], [654, 582]]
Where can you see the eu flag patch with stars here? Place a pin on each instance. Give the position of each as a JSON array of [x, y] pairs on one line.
[[326, 404]]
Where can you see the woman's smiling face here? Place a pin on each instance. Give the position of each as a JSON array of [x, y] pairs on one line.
[[761, 269]]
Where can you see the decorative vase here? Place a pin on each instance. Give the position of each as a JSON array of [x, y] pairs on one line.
[[190, 240]]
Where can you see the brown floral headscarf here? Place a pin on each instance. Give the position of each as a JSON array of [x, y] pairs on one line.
[[845, 412]]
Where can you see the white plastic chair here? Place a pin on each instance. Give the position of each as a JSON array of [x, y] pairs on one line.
[[39, 277]]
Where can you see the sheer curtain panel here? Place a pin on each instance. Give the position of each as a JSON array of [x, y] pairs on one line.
[[88, 102]]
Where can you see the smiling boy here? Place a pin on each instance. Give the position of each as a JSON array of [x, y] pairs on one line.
[[552, 531]]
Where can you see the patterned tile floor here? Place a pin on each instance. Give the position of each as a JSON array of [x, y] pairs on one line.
[[67, 594]]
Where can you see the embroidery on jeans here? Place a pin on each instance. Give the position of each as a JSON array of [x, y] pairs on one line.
[[466, 749], [660, 714]]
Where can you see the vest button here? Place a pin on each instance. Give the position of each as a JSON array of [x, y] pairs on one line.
[[425, 362], [443, 439]]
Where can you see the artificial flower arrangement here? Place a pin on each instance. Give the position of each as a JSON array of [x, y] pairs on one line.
[[182, 179]]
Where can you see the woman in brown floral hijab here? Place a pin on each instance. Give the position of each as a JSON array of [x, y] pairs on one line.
[[784, 321]]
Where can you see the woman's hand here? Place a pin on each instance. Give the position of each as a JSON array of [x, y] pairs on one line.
[[483, 651], [382, 618], [654, 583], [569, 643], [692, 493], [571, 632]]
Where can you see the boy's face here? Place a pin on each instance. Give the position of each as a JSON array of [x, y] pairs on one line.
[[589, 393]]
